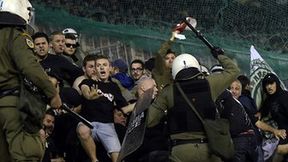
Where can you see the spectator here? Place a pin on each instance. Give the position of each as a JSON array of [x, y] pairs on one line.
[[70, 49], [251, 109], [120, 122], [163, 63], [245, 98], [57, 42], [88, 67], [155, 144], [137, 72], [241, 127], [119, 72], [120, 118], [54, 64], [51, 151], [276, 105], [100, 99]]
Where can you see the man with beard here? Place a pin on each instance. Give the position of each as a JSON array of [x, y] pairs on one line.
[[48, 124], [276, 105], [137, 72], [88, 67]]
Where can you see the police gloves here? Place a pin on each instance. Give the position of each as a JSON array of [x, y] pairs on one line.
[[216, 51]]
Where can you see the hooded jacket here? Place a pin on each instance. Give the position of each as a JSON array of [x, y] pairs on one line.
[[275, 104]]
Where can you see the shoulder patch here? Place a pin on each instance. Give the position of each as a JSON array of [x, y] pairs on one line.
[[28, 39], [29, 43]]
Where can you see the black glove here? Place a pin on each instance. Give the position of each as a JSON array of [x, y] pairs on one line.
[[216, 51]]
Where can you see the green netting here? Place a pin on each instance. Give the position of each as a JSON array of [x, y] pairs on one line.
[[231, 24]]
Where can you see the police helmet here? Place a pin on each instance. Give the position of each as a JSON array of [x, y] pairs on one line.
[[15, 12], [184, 61]]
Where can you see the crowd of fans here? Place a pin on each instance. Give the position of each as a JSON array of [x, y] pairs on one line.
[[107, 96], [104, 92], [142, 111]]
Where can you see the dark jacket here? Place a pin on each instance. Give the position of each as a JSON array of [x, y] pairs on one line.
[[16, 58]]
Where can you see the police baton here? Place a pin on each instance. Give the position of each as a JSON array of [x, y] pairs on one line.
[[198, 33], [77, 116]]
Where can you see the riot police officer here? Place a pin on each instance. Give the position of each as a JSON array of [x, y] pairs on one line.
[[189, 142], [17, 58]]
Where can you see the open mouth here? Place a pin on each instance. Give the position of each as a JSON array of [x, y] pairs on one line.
[[102, 72]]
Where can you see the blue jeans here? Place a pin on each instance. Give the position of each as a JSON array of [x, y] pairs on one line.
[[245, 149]]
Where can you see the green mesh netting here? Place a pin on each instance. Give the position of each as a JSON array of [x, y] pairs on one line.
[[231, 24]]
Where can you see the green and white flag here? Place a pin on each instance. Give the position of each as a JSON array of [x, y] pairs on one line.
[[258, 69]]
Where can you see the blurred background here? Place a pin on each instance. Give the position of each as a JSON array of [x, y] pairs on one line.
[[131, 29]]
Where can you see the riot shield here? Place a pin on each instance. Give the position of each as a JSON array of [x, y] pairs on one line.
[[136, 128]]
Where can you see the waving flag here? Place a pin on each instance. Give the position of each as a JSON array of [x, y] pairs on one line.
[[258, 69]]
